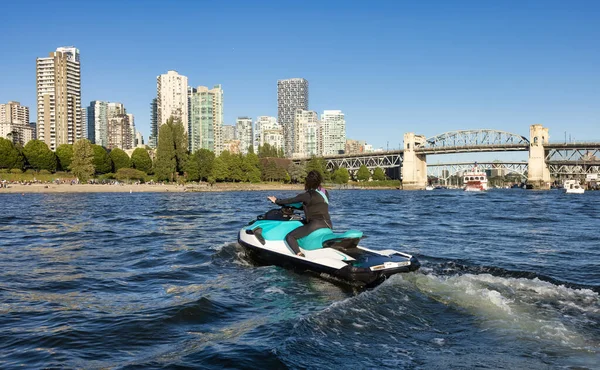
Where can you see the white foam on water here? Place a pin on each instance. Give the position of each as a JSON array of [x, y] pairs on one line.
[[275, 290], [520, 307]]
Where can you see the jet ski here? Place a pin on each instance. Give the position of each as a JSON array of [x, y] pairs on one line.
[[337, 255]]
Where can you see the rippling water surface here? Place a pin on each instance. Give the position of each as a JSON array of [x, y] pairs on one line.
[[510, 279]]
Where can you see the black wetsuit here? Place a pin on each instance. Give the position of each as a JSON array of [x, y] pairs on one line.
[[316, 210]]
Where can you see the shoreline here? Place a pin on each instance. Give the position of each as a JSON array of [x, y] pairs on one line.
[[158, 188], [143, 188]]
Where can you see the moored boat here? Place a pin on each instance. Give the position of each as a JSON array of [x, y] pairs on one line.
[[573, 187]]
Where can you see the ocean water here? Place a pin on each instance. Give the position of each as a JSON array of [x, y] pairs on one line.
[[509, 279]]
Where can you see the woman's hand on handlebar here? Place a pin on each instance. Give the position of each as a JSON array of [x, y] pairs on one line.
[[272, 199]]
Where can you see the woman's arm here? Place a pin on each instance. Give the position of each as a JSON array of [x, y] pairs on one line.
[[300, 198]]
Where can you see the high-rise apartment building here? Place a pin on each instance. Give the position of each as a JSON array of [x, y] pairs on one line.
[[84, 124], [172, 99], [58, 82], [268, 131], [292, 94], [109, 125], [14, 112], [14, 123], [139, 140], [306, 133], [228, 133], [263, 123], [152, 140], [119, 132], [244, 134], [97, 119], [132, 130], [333, 131], [206, 118]]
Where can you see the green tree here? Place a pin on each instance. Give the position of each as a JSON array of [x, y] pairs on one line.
[[180, 143], [166, 162], [318, 164], [39, 156], [120, 159], [140, 160], [250, 166], [200, 164], [9, 155], [64, 153], [128, 174], [268, 151], [378, 174], [341, 176], [82, 165], [297, 172], [219, 170], [102, 162], [363, 173]]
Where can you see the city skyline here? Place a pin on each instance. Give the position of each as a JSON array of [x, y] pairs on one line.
[[428, 71]]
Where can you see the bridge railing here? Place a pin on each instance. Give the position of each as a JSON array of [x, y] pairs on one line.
[[578, 142]]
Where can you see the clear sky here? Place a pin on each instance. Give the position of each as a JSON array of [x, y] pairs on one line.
[[392, 66]]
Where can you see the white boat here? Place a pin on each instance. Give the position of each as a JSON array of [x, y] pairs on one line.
[[475, 180], [429, 187], [573, 187]]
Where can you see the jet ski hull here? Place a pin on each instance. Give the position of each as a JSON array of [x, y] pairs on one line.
[[356, 266]]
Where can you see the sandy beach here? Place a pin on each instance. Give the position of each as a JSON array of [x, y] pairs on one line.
[[144, 188]]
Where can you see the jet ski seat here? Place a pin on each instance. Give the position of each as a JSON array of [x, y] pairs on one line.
[[278, 231], [316, 239]]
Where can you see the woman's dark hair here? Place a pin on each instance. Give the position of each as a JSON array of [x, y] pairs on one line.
[[313, 180]]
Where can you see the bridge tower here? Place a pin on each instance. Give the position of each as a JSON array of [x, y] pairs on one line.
[[538, 173], [414, 166]]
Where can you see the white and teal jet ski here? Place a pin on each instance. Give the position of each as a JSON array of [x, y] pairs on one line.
[[335, 254]]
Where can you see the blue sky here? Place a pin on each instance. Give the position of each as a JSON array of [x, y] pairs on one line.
[[392, 66]]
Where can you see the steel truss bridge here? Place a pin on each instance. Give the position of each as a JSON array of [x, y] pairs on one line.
[[563, 159], [466, 141]]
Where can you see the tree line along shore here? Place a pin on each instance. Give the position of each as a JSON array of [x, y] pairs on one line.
[[171, 163]]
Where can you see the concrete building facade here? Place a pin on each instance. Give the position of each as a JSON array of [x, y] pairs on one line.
[[58, 84], [14, 123], [292, 94], [306, 134], [16, 132], [14, 112], [172, 99], [333, 131], [263, 123], [228, 133], [245, 134]]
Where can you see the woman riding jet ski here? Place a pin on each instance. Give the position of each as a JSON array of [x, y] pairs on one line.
[[283, 238]]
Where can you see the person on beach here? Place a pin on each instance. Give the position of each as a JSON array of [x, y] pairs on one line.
[[315, 201]]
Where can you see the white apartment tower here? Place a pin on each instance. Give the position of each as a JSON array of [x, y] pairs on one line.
[[244, 133], [172, 98], [14, 123], [268, 131], [58, 82], [14, 112], [333, 132], [307, 134], [261, 123], [292, 94]]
